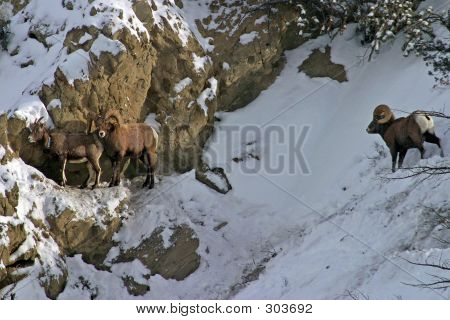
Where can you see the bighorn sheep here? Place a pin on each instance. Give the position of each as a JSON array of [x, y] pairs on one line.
[[403, 133], [136, 140], [70, 147]]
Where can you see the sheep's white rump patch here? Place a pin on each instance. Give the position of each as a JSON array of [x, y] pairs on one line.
[[425, 123], [155, 134]]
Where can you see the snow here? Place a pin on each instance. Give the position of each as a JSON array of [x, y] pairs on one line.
[[226, 66], [207, 95], [182, 84], [192, 12], [217, 180], [26, 246], [55, 103], [343, 205], [342, 229], [200, 62], [40, 198], [104, 44], [31, 109], [76, 66], [246, 38], [20, 85], [184, 21], [85, 38], [261, 20]]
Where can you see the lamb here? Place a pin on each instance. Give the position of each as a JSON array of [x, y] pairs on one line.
[[70, 147], [136, 140], [403, 133]]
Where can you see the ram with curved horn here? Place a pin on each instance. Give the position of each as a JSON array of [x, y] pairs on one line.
[[403, 133], [70, 147], [135, 140]]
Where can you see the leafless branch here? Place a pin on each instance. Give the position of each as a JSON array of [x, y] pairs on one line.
[[439, 282]]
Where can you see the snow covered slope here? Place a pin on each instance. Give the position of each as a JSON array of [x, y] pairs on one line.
[[39, 46], [356, 228], [33, 60], [342, 231]]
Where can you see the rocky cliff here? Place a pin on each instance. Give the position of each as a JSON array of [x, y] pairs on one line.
[[172, 64]]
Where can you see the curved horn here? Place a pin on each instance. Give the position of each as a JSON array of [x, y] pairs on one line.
[[383, 114], [114, 115], [39, 120]]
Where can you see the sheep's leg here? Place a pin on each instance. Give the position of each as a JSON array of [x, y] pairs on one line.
[[402, 157], [422, 152], [417, 139], [150, 180], [394, 158], [125, 166], [432, 138], [98, 172], [88, 179], [114, 165], [118, 168], [146, 161], [63, 161], [153, 158], [137, 167]]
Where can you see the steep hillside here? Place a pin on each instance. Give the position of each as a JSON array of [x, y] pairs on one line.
[[355, 226], [338, 225], [164, 61]]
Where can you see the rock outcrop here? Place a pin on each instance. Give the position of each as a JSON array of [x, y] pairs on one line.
[[41, 224], [180, 69], [163, 59], [250, 42], [319, 65], [177, 261], [214, 178]]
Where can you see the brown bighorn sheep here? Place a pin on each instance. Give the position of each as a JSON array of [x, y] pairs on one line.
[[403, 133], [71, 147], [135, 140]]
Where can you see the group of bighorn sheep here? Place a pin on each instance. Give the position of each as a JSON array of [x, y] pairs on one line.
[[117, 139], [403, 133], [140, 141]]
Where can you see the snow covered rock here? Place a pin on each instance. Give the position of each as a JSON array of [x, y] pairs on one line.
[[252, 45], [85, 236], [214, 178], [40, 223], [319, 65], [130, 56], [9, 201], [177, 261]]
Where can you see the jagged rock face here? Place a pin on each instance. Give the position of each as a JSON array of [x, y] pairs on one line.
[[168, 74], [135, 288], [18, 4], [176, 87], [4, 141], [250, 54], [84, 236], [8, 203], [214, 178], [13, 237], [181, 80], [319, 65], [177, 261], [41, 223], [115, 81]]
